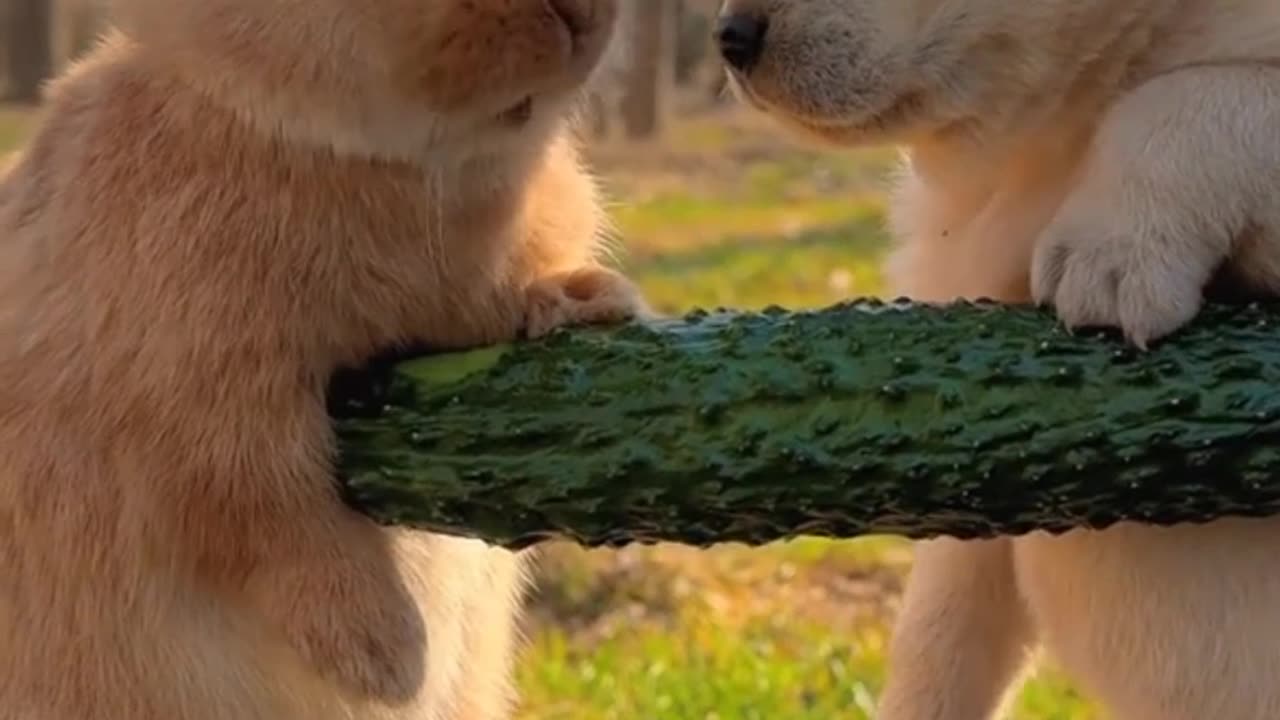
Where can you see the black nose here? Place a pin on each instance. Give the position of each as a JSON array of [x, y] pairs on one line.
[[741, 38]]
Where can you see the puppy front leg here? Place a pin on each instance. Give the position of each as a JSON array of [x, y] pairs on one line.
[[1182, 177], [962, 635], [319, 575], [337, 597]]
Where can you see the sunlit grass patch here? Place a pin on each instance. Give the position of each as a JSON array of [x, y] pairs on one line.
[[765, 670], [817, 266], [794, 629]]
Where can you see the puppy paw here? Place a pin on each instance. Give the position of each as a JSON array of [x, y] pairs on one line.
[[378, 655], [1145, 288], [586, 296], [353, 622]]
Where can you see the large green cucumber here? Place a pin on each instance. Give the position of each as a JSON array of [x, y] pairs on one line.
[[967, 420]]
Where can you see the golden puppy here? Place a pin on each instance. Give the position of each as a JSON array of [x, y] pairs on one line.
[[1108, 157], [227, 201]]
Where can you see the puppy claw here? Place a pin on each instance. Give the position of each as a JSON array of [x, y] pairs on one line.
[[587, 296], [1145, 293]]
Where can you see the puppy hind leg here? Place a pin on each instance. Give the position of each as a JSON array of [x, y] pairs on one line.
[[962, 636]]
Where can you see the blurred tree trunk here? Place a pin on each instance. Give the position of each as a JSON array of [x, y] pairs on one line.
[[76, 25], [693, 39], [24, 49], [708, 72], [650, 73]]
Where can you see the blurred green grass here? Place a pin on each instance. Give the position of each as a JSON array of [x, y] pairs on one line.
[[723, 212]]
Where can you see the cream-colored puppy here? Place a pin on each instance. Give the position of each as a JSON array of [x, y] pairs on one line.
[[1109, 157], [227, 201]]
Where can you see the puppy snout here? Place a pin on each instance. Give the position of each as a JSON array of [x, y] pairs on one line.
[[740, 37]]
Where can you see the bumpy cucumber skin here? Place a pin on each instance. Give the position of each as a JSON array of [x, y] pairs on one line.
[[866, 418]]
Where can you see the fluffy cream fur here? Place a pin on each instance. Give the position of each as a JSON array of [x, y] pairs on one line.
[[1109, 157], [224, 203]]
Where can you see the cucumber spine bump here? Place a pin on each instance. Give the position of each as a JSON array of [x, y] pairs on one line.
[[967, 420]]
